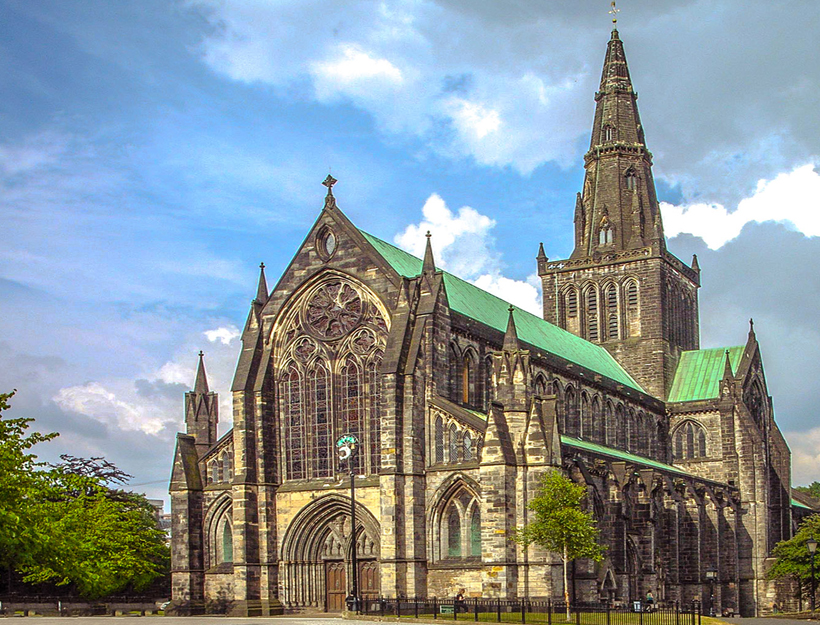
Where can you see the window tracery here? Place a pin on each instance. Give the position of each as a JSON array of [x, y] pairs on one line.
[[332, 340], [689, 441]]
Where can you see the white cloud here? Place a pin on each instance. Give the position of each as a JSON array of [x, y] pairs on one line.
[[420, 69], [805, 448], [792, 197], [152, 402], [355, 65], [462, 244], [224, 335], [99, 403]]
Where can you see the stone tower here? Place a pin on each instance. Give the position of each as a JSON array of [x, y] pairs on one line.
[[621, 287], [201, 411]]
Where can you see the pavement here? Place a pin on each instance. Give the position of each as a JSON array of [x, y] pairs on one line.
[[193, 620]]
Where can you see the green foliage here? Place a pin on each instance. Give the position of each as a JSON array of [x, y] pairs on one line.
[[64, 522], [793, 558], [812, 489], [560, 524]]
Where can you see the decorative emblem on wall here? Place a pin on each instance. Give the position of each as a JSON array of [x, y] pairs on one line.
[[334, 310]]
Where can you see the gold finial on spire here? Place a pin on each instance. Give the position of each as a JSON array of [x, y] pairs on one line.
[[614, 13]]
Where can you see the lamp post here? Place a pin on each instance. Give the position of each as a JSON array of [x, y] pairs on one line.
[[347, 446], [711, 576], [811, 545]]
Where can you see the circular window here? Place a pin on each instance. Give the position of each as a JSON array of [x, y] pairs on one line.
[[325, 243], [334, 310]]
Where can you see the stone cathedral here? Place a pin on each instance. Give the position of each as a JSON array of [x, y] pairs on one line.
[[461, 403]]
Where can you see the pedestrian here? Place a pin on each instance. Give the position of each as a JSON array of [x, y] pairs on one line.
[[650, 601], [460, 603]]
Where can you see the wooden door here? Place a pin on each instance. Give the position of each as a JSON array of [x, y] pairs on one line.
[[369, 579], [336, 585]]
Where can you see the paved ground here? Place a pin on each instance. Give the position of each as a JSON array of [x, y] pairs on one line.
[[192, 620]]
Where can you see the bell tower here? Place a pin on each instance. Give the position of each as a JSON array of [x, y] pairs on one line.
[[621, 287]]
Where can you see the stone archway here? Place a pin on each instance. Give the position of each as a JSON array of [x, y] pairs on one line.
[[314, 567]]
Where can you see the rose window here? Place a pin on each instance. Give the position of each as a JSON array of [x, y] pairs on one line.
[[334, 310]]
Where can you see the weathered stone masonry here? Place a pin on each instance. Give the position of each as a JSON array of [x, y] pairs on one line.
[[462, 403]]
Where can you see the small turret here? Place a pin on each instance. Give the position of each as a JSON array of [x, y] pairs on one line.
[[201, 411], [262, 289]]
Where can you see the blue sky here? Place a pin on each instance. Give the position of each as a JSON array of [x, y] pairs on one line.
[[152, 153]]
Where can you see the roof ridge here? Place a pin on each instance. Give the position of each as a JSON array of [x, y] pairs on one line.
[[566, 335]]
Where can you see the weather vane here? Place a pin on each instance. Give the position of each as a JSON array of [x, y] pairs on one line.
[[614, 13]]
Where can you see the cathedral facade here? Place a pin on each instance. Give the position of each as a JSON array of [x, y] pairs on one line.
[[461, 403]]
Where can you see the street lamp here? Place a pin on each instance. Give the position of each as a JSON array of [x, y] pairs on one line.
[[811, 545], [711, 576], [347, 446]]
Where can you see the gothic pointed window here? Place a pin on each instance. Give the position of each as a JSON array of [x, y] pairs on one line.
[[227, 543], [620, 428], [454, 374], [351, 411], [488, 383], [439, 440], [611, 295], [632, 322], [592, 314], [375, 396], [631, 180], [572, 303], [689, 441], [475, 533], [453, 443], [468, 447], [572, 425], [321, 454], [296, 440], [605, 235], [609, 133], [468, 380], [453, 533]]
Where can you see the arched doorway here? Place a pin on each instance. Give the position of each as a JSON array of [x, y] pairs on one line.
[[315, 562]]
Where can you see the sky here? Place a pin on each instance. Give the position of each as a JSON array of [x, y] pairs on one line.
[[153, 153]]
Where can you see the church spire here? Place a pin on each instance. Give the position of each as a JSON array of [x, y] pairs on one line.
[[262, 288], [511, 335], [618, 208], [201, 384], [429, 264]]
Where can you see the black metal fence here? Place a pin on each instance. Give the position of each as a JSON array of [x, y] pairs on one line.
[[533, 611]]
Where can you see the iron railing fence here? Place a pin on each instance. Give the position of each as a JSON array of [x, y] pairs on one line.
[[533, 611]]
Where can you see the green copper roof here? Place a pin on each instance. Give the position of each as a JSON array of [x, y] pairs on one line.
[[620, 455], [472, 302], [797, 504], [700, 371]]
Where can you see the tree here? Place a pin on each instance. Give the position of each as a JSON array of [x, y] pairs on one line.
[[813, 489], [561, 525], [67, 523], [793, 558]]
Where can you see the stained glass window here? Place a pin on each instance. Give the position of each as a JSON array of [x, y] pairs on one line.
[[321, 454], [475, 533], [351, 407], [468, 446], [375, 415], [453, 444], [453, 533], [295, 424], [227, 542], [439, 442]]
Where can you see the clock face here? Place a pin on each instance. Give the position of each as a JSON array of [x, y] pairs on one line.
[[334, 310]]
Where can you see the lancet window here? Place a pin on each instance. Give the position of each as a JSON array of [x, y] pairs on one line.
[[457, 522], [689, 441], [331, 341]]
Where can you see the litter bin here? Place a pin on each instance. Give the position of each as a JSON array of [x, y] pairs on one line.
[[352, 603]]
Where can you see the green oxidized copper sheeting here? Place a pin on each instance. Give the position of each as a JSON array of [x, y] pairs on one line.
[[797, 504], [620, 455], [700, 371], [477, 304]]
